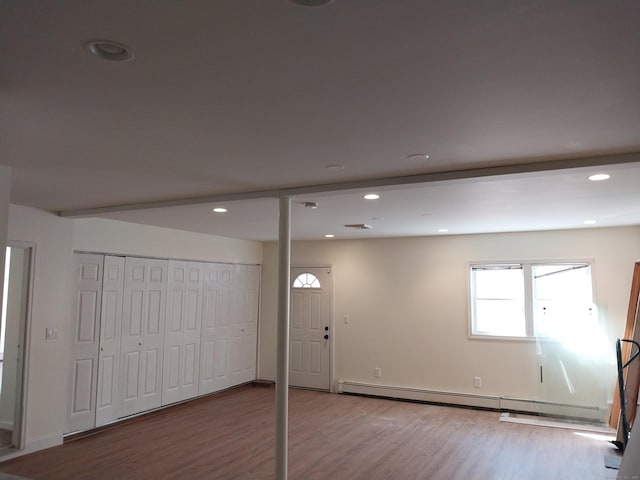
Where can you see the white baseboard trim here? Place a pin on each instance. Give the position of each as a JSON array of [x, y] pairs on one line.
[[586, 412], [32, 445], [470, 400], [432, 396], [603, 430]]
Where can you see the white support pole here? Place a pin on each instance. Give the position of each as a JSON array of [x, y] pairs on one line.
[[282, 368]]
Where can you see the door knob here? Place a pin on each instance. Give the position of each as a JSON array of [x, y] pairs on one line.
[[326, 337], [326, 329]]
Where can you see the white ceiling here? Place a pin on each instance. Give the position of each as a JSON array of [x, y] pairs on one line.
[[225, 98]]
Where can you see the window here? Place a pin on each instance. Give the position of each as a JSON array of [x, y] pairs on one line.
[[306, 280], [530, 299]]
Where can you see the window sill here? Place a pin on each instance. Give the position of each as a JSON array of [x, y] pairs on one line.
[[501, 338]]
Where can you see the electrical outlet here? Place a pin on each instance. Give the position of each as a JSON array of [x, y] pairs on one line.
[[346, 319], [477, 382], [377, 372]]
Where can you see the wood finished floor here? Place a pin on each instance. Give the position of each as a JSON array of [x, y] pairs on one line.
[[330, 437]]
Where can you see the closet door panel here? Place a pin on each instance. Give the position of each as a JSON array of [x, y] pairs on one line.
[[216, 329], [192, 330], [142, 340], [83, 377], [182, 336], [110, 333], [174, 332]]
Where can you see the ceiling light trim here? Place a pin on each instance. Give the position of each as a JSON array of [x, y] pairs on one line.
[[110, 50]]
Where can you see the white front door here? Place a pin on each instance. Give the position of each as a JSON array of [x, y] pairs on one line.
[[311, 327], [143, 324]]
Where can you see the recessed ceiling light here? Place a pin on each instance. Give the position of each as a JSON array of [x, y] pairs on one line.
[[371, 196], [443, 230], [377, 219], [418, 156], [590, 222], [334, 167], [427, 214], [598, 177], [220, 210], [329, 235], [109, 50]]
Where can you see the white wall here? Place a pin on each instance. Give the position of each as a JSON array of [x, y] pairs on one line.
[[55, 240], [408, 305], [112, 236], [48, 359]]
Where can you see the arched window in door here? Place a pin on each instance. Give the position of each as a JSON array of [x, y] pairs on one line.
[[306, 280]]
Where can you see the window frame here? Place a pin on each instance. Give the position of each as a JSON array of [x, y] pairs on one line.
[[528, 295]]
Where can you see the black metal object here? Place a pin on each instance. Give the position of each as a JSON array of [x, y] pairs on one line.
[[626, 429]]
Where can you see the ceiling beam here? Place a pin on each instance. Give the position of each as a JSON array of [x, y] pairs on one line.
[[423, 178]]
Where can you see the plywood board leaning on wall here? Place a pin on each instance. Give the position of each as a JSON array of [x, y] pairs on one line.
[[631, 374]]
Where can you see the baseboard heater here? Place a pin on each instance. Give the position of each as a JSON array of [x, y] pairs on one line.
[[478, 401]]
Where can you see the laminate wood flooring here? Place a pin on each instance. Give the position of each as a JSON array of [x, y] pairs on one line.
[[331, 436]]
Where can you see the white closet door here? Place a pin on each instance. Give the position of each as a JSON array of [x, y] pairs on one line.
[[243, 314], [215, 368], [251, 325], [84, 342], [110, 333], [237, 316], [143, 326], [192, 330], [182, 333]]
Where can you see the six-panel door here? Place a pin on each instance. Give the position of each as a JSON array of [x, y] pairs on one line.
[[143, 323], [84, 342]]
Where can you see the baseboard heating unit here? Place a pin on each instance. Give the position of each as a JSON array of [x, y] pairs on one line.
[[589, 413]]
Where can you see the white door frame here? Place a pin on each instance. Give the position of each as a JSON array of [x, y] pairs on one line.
[[19, 438], [332, 330]]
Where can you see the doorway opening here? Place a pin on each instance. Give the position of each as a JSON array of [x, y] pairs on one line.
[[13, 334]]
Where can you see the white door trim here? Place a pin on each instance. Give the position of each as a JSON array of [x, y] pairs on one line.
[[19, 439]]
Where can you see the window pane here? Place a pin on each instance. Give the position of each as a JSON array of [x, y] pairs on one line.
[[306, 280], [498, 300], [496, 283], [562, 297], [500, 317]]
